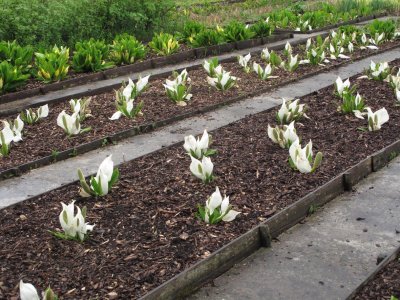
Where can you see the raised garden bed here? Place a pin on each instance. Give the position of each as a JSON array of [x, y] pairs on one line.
[[331, 26], [146, 231], [35, 87], [383, 283], [38, 149]]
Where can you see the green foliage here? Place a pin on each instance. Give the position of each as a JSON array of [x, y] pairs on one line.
[[262, 28], [236, 31], [19, 56], [377, 27], [65, 22], [207, 37], [90, 56], [189, 30], [52, 65], [164, 44], [126, 49], [11, 77]]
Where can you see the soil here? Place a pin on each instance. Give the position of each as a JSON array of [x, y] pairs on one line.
[[384, 285], [157, 107], [146, 230]]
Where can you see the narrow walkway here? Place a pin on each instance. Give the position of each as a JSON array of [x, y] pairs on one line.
[[77, 91], [41, 180], [328, 255]]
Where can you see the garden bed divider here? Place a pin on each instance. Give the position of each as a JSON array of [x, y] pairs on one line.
[[380, 266], [329, 27], [142, 66], [148, 127], [220, 261]]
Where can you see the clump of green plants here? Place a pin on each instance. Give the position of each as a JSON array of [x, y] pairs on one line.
[[52, 65], [189, 31], [378, 27], [164, 44], [262, 28], [236, 31], [11, 77], [126, 49], [19, 56], [207, 37], [91, 56]]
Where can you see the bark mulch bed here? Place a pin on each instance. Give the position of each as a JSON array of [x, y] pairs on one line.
[[43, 139], [384, 285], [146, 231]]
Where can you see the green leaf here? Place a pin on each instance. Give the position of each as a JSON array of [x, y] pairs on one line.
[[114, 178]]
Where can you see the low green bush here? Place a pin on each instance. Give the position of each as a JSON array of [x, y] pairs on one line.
[[91, 56], [164, 44], [236, 31], [11, 77], [19, 56], [126, 49], [52, 65]]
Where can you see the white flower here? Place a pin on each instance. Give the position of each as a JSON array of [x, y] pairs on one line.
[[262, 73], [202, 169], [70, 124], [288, 48], [32, 117], [244, 61], [73, 225], [101, 184], [350, 47], [216, 203], [397, 92], [342, 87], [302, 157], [176, 89], [308, 44], [132, 90], [196, 148], [104, 174], [43, 111], [290, 111], [283, 136], [379, 71], [377, 119], [27, 291], [265, 54], [223, 80]]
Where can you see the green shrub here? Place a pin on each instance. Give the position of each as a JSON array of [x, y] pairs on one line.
[[126, 49], [11, 77], [18, 56], [91, 56], [52, 65], [164, 44], [236, 31], [65, 22], [207, 37]]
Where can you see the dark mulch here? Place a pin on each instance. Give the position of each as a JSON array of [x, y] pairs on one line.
[[41, 139], [384, 285], [146, 231]]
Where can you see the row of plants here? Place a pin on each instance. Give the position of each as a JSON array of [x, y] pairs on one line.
[[296, 18], [178, 90], [19, 63], [217, 208]]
